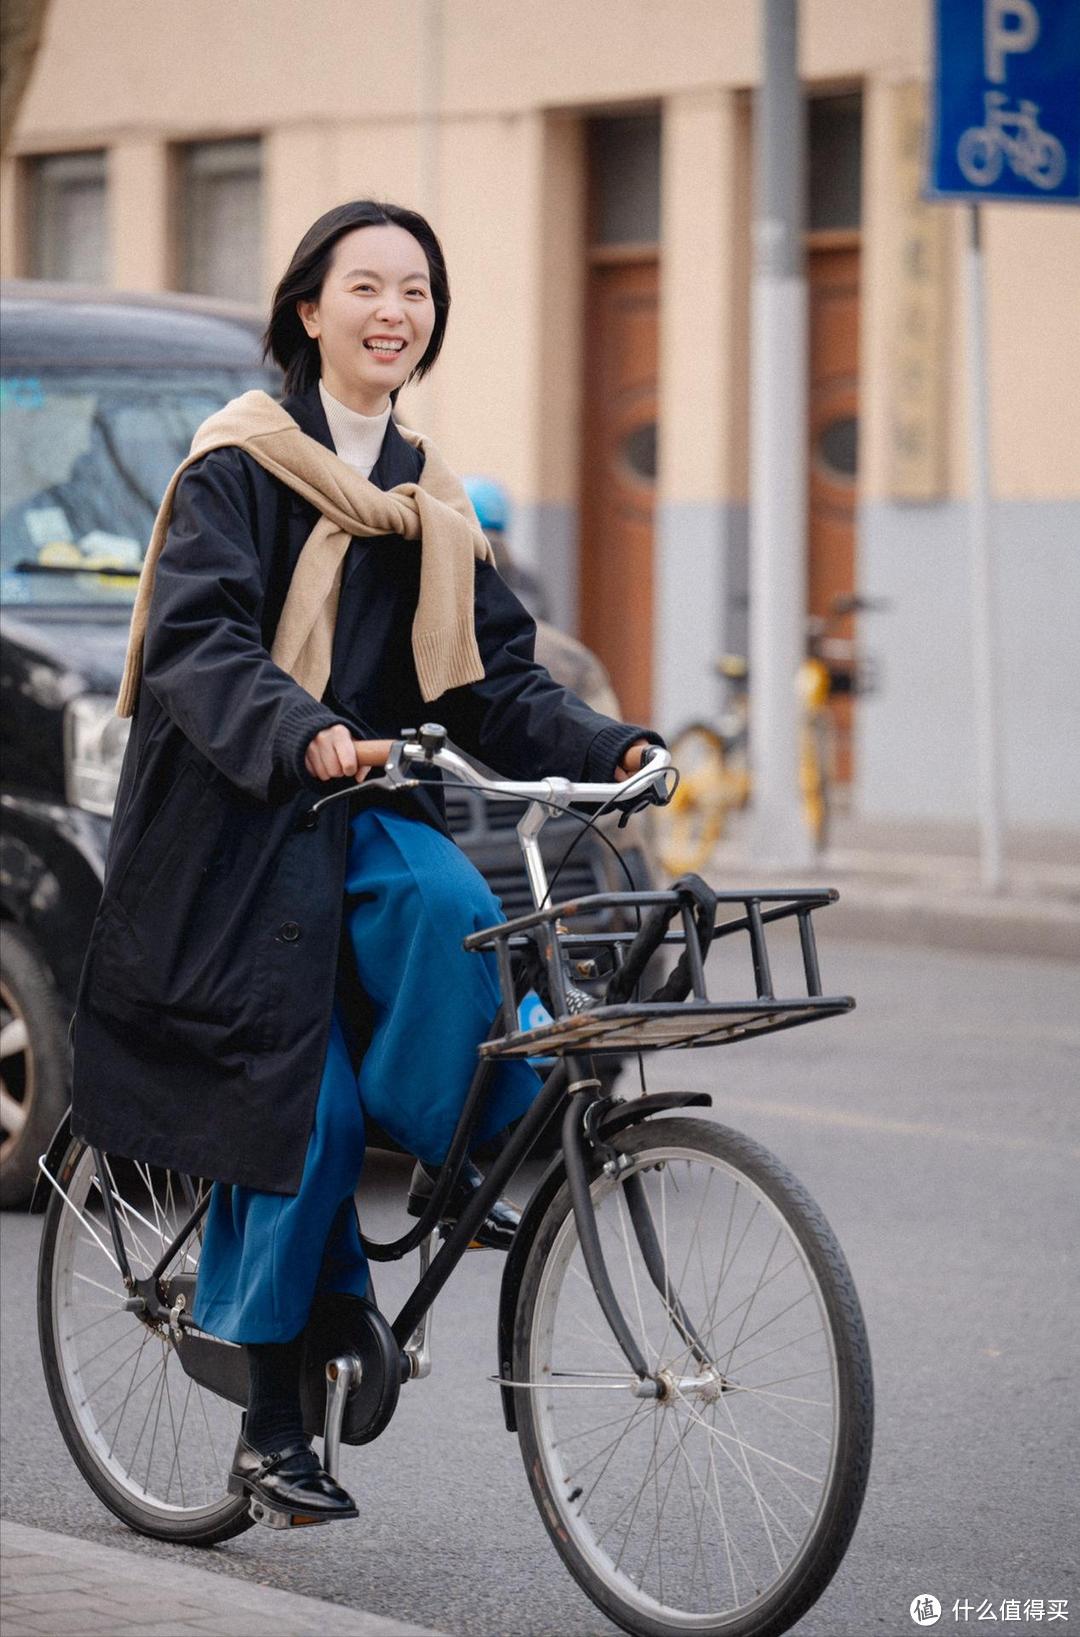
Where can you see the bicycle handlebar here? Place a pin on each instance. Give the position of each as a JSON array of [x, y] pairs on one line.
[[430, 747]]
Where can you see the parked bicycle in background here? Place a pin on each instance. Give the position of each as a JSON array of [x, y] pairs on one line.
[[714, 759]]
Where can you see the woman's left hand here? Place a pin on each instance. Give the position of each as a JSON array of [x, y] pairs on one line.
[[631, 760]]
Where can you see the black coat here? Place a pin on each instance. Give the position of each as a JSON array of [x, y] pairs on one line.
[[204, 1004]]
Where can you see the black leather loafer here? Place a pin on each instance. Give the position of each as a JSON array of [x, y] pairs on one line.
[[498, 1228], [289, 1481]]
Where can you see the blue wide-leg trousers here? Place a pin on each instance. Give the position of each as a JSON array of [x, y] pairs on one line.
[[415, 897]]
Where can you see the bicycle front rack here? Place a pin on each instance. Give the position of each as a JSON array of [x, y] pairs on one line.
[[649, 1025]]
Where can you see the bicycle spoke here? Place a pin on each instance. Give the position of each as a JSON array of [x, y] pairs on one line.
[[86, 1280], [175, 1434], [630, 1422], [745, 1449], [640, 1493], [127, 1396], [157, 1419], [109, 1313]]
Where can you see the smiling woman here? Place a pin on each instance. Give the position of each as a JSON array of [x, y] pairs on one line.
[[257, 984]]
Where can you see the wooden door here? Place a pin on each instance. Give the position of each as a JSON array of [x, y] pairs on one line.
[[833, 273], [619, 475]]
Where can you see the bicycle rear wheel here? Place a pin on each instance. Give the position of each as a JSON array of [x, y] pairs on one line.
[[153, 1445], [726, 1506]]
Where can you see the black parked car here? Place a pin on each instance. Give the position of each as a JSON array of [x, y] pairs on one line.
[[99, 399]]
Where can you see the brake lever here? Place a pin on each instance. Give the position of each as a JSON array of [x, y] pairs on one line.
[[654, 796]]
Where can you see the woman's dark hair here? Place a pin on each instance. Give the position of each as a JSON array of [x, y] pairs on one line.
[[285, 338]]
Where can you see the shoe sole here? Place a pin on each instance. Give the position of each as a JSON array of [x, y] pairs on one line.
[[278, 1517]]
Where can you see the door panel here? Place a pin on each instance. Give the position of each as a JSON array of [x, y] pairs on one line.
[[833, 430], [619, 476]]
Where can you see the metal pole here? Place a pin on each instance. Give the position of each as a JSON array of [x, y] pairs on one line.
[[778, 420], [991, 868]]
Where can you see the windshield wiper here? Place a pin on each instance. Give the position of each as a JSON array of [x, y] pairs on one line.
[[27, 566]]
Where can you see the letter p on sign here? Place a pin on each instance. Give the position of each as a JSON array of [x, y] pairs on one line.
[[1008, 25]]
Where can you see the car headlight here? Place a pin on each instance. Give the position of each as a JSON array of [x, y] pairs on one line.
[[95, 739]]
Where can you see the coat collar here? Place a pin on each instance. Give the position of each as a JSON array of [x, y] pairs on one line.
[[398, 461]]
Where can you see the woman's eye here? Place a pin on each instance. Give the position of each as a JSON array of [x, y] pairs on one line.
[[363, 289]]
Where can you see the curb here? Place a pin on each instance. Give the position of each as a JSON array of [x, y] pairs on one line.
[[885, 900], [57, 1584], [948, 921]]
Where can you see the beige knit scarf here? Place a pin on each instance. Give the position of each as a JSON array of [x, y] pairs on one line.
[[436, 511]]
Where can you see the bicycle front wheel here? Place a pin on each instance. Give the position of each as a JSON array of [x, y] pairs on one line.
[[153, 1445], [725, 1506]]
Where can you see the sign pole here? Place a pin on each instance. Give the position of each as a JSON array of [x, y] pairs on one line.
[[983, 646], [1006, 125], [778, 390]]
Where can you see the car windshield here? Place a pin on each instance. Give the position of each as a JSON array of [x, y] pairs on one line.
[[85, 457]]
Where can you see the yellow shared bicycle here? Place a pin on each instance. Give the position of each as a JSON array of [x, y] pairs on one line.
[[714, 761]]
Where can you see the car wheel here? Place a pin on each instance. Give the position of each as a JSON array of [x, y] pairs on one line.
[[34, 1075]]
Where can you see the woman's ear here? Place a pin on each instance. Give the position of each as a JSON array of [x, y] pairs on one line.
[[308, 312]]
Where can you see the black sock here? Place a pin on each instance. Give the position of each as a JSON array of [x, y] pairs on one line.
[[274, 1417]]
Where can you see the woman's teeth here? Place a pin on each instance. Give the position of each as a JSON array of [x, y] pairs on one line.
[[388, 349]]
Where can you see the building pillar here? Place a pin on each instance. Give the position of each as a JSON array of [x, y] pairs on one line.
[[698, 517], [138, 204]]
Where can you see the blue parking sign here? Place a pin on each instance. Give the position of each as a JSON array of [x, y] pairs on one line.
[[1006, 100]]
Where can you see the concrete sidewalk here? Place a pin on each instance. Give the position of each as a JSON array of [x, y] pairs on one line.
[[58, 1586], [919, 883]]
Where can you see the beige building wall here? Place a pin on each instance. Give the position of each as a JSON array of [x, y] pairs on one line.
[[474, 110], [338, 94]]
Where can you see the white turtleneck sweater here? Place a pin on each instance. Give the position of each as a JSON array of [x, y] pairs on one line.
[[357, 438]]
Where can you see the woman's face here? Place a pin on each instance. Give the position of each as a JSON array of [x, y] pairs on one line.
[[374, 315]]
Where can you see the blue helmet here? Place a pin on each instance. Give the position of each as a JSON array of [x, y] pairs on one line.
[[490, 502]]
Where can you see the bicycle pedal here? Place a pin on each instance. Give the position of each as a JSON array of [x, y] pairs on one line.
[[272, 1517], [447, 1228]]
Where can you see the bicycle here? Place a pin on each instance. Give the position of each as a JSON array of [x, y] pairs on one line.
[[679, 1342], [714, 759], [1014, 135]]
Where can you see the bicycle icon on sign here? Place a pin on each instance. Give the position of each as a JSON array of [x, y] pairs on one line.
[[1014, 136]]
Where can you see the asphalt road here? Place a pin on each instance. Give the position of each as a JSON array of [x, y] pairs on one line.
[[938, 1127]]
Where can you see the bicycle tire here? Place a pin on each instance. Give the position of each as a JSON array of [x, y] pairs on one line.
[[79, 1408], [652, 1148]]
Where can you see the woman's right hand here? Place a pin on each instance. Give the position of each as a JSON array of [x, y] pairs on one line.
[[335, 754]]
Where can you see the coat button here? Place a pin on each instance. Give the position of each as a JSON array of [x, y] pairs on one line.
[[290, 932]]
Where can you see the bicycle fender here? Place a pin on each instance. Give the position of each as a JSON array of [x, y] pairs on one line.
[[639, 1108], [55, 1152], [617, 1119]]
